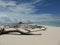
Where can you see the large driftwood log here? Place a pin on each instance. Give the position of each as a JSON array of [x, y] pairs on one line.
[[3, 31]]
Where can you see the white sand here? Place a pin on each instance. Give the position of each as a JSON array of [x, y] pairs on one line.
[[49, 37]]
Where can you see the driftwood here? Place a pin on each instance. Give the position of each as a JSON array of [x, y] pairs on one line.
[[2, 31], [25, 28]]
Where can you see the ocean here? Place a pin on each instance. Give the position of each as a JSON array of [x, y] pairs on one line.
[[47, 23]]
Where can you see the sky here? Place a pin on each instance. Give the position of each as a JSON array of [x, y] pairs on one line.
[[29, 10]]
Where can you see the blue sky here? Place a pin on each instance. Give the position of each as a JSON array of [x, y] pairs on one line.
[[30, 10]]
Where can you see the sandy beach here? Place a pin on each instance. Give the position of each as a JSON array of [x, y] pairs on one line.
[[49, 37]]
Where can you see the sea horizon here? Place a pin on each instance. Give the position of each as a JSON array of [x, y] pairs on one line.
[[49, 23]]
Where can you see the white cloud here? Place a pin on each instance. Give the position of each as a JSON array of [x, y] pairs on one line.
[[3, 15], [35, 1], [5, 3], [22, 12]]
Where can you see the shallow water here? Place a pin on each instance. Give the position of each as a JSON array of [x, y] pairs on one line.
[[48, 23]]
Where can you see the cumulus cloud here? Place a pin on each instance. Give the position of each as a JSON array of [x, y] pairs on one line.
[[22, 12]]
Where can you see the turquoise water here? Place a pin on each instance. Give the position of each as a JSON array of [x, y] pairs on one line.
[[48, 23]]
